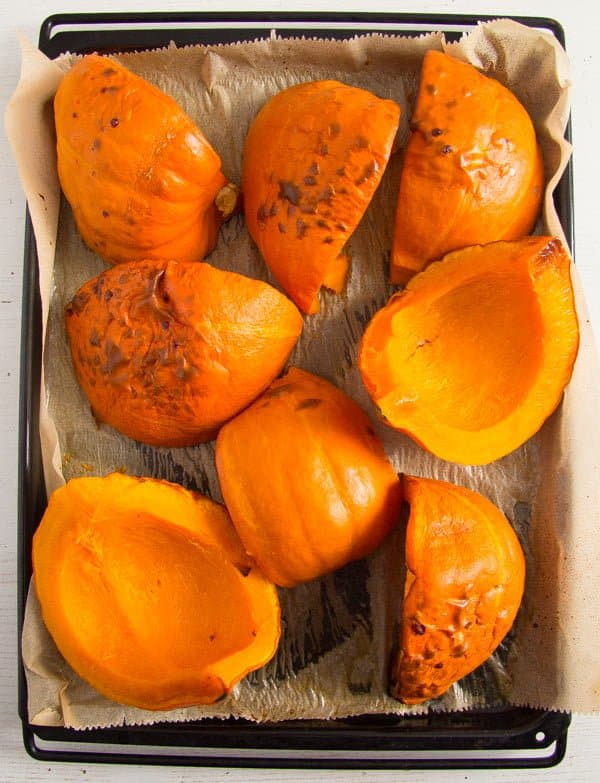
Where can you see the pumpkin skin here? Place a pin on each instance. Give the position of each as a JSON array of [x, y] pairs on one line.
[[313, 158], [464, 585], [474, 354], [473, 171], [139, 175], [306, 479], [148, 594], [166, 351]]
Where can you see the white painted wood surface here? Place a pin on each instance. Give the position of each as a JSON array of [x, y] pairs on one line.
[[581, 22]]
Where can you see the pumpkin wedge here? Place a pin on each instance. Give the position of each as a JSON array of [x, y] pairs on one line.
[[313, 158], [166, 351], [306, 479], [473, 171], [148, 594], [140, 176], [474, 354], [464, 585]]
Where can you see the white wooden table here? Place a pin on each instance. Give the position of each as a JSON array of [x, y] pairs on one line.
[[581, 22]]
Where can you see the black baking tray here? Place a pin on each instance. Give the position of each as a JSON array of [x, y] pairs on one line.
[[501, 737]]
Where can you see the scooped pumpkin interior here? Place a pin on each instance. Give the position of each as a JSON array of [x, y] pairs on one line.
[[464, 585], [140, 176], [473, 171], [473, 356], [313, 158], [148, 594], [167, 351]]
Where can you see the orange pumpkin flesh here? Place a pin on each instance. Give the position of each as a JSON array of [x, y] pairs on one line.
[[473, 356], [313, 158], [167, 351], [140, 176], [306, 480], [148, 594], [464, 585], [473, 172]]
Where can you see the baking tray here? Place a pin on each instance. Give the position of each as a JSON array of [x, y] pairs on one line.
[[492, 738]]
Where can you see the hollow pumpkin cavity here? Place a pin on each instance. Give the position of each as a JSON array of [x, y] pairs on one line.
[[473, 356], [496, 322], [147, 592]]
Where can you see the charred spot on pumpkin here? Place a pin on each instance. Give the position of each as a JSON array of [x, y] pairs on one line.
[[289, 192], [96, 144], [309, 402], [78, 303], [108, 72], [334, 129], [74, 115], [328, 241], [322, 223], [308, 209], [114, 122], [278, 391], [324, 150], [436, 131], [314, 168], [327, 194], [110, 88], [212, 637], [94, 338], [105, 213], [361, 143], [368, 171], [431, 89], [417, 628], [291, 210], [439, 665], [341, 172], [274, 210], [282, 228], [310, 180], [301, 228], [446, 149], [341, 227], [262, 213], [108, 295]]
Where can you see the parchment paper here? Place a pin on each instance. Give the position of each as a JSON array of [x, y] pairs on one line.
[[337, 631]]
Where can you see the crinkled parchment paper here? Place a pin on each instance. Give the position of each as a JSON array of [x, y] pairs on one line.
[[334, 653]]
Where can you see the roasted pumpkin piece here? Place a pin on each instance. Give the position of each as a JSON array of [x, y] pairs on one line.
[[464, 585], [140, 176], [473, 171], [306, 479], [148, 594], [313, 158], [167, 351], [474, 354]]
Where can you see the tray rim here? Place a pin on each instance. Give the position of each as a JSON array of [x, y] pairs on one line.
[[341, 734]]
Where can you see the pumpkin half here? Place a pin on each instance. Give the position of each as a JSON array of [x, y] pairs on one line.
[[306, 479], [472, 172], [313, 158], [148, 594], [140, 176], [474, 354], [464, 585], [167, 351]]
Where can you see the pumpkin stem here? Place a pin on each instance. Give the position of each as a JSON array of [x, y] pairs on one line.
[[228, 200]]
